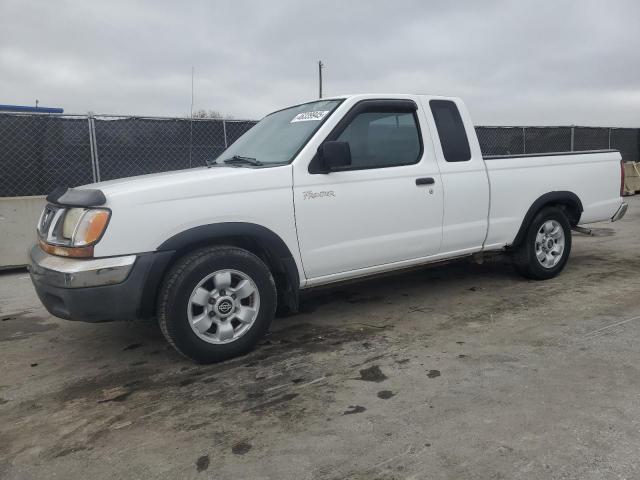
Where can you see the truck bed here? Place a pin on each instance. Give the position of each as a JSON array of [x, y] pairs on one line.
[[518, 180]]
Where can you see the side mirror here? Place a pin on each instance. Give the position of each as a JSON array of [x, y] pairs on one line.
[[335, 155]]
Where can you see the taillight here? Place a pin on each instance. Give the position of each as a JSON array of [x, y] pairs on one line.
[[621, 177]]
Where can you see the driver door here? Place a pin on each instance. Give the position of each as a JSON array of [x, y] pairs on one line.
[[385, 208]]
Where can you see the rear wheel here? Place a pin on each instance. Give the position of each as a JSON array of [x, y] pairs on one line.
[[545, 249], [216, 303]]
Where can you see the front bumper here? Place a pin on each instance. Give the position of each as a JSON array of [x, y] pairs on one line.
[[79, 273], [93, 290], [620, 212]]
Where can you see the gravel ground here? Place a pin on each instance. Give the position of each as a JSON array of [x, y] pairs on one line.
[[457, 371]]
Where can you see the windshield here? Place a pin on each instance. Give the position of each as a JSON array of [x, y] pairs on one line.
[[280, 135]]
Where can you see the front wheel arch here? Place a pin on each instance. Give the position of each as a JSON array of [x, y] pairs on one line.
[[254, 238]]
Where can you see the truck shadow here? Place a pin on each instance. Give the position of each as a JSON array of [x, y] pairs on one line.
[[415, 282], [328, 316]]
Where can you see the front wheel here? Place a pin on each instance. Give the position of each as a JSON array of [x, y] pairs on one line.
[[216, 303], [545, 249]]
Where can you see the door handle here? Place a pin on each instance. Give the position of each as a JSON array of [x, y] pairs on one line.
[[425, 181]]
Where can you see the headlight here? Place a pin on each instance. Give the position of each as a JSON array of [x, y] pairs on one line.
[[71, 219], [89, 227], [72, 232]]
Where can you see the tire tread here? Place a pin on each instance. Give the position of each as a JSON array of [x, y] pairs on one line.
[[523, 257], [175, 275]]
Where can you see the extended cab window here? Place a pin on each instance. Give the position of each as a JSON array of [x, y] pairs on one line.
[[453, 137], [382, 139]]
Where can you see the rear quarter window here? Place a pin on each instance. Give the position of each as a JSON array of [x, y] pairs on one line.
[[453, 137]]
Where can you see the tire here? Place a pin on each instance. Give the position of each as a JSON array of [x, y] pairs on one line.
[[548, 236], [227, 288]]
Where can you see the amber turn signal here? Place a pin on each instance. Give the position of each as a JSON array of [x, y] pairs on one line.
[[75, 252]]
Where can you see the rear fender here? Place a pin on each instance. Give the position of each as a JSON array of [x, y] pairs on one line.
[[569, 200]]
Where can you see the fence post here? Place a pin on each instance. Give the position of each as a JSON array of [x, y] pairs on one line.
[[95, 163], [524, 141], [190, 139], [573, 136], [91, 150], [224, 129]]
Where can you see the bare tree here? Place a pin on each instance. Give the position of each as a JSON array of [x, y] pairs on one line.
[[214, 114]]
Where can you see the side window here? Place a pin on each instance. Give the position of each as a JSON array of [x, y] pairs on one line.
[[382, 139], [453, 137]]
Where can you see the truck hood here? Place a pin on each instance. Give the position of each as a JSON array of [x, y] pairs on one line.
[[190, 183], [148, 210]]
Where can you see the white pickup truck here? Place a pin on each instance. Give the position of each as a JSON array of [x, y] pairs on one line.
[[317, 193]]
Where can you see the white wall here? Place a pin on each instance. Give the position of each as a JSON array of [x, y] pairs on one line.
[[18, 219]]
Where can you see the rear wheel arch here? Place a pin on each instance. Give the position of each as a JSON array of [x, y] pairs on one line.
[[569, 202], [545, 250], [259, 240]]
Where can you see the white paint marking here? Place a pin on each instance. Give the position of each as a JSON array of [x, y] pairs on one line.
[[595, 333]]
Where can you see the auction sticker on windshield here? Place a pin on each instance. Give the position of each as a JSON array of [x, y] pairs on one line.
[[310, 116]]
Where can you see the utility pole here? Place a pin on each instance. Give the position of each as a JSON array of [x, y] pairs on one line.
[[193, 72], [320, 67]]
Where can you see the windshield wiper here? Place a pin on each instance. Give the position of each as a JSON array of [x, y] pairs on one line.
[[237, 159], [209, 162]]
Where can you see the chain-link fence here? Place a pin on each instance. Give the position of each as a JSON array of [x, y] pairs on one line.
[[126, 146], [521, 140], [40, 152]]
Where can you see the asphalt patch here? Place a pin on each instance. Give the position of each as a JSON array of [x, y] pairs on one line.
[[241, 448], [202, 463], [385, 394], [372, 374], [354, 409]]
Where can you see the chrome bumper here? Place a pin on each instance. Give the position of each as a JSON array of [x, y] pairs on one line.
[[78, 272], [621, 212]]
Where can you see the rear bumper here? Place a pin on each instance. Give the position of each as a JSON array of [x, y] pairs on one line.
[[621, 212], [94, 290]]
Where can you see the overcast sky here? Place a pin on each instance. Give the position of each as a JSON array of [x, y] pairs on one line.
[[514, 62]]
